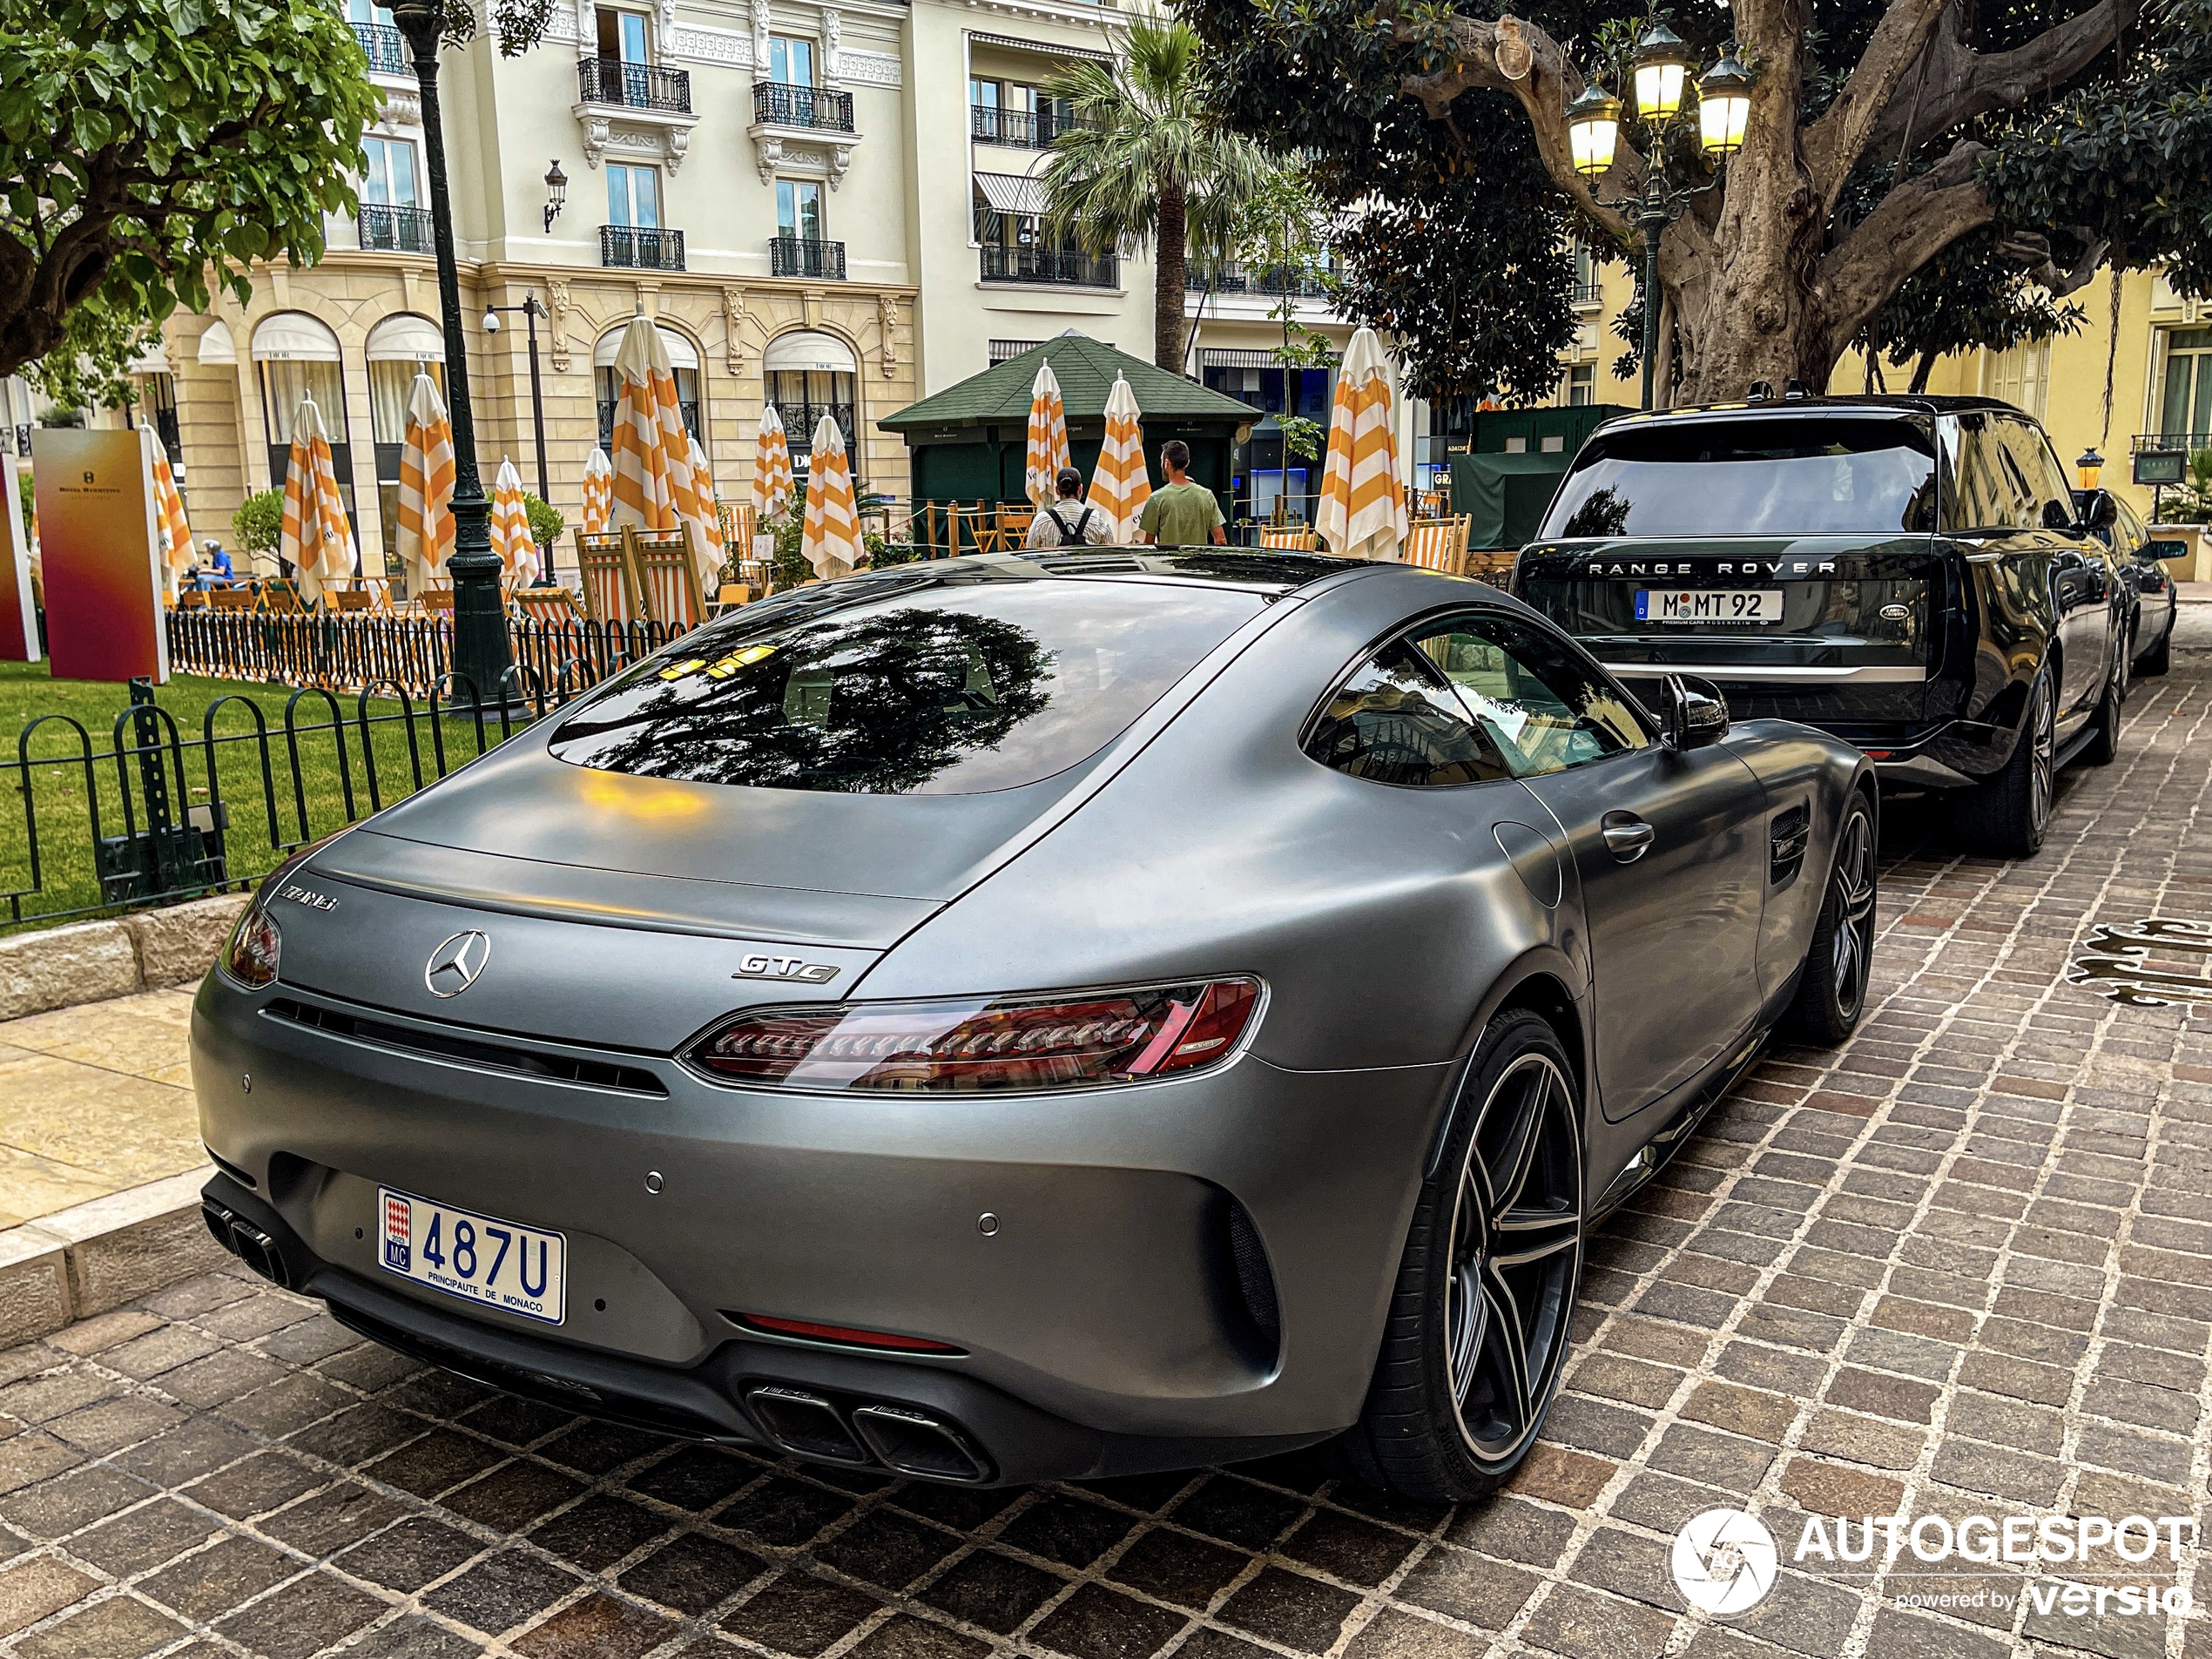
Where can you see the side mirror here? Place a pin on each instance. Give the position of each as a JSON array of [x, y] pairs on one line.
[[2102, 512], [2058, 515], [2161, 551], [1696, 714]]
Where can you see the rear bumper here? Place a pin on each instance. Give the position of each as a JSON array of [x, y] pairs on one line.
[[1109, 1321]]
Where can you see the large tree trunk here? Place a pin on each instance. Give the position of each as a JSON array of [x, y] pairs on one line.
[[1167, 279]]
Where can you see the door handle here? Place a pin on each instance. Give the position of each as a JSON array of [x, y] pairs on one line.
[[1627, 836]]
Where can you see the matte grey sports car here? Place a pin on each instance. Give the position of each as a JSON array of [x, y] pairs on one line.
[[1015, 1018]]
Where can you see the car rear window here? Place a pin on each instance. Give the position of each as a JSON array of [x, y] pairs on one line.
[[1802, 476], [950, 690]]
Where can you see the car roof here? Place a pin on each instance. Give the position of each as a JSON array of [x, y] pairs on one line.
[[1255, 569], [1767, 408]]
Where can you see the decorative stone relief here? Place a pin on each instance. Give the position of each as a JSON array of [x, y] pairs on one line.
[[768, 152], [557, 319], [869, 69], [833, 46], [887, 313], [587, 29], [760, 32], [667, 18], [727, 47], [639, 134], [400, 109], [733, 329]]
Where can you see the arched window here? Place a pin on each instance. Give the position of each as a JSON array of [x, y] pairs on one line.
[[810, 374], [295, 356], [398, 347], [682, 357]]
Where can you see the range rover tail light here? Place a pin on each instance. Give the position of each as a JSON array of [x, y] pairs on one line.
[[977, 1045]]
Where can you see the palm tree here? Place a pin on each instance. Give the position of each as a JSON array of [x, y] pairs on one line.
[[1145, 162]]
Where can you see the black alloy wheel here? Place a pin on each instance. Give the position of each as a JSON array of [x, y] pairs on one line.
[[2008, 814], [1477, 1332], [2103, 746], [1831, 993]]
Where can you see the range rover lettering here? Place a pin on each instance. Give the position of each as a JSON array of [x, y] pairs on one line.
[[1909, 574], [1004, 1019]]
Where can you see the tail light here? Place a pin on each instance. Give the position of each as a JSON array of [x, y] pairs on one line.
[[251, 957], [977, 1045]]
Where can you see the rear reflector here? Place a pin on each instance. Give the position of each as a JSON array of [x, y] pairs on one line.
[[964, 1045], [842, 1334]]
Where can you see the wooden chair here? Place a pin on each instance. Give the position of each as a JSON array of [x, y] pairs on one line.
[[193, 599], [667, 576], [1289, 538], [281, 597], [1438, 544], [1014, 527], [231, 598], [608, 583], [355, 600], [979, 526], [435, 602], [729, 597], [547, 605]]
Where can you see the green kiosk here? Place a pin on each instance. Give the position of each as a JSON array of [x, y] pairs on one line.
[[970, 441], [1519, 456]]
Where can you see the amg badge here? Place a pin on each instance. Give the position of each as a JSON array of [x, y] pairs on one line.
[[785, 968]]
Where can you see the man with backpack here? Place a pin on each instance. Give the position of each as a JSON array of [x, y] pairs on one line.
[[1068, 521]]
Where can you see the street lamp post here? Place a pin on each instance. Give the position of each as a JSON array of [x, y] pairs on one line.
[[1593, 128], [531, 312], [480, 648]]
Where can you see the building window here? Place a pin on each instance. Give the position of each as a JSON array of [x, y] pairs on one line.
[[296, 356], [633, 196], [791, 60], [798, 210], [158, 399], [2021, 376], [387, 172], [1586, 287], [622, 37], [1581, 384], [2185, 408]]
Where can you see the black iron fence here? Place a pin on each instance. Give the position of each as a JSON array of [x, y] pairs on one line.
[[385, 47], [820, 108], [806, 256], [1056, 264], [393, 229], [636, 246], [636, 86]]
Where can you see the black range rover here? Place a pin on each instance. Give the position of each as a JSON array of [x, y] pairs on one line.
[[1906, 572]]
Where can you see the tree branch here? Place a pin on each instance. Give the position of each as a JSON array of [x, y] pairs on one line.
[[1961, 83], [1544, 88], [1835, 142], [1914, 223]]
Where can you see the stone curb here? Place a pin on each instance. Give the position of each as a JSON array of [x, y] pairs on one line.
[[90, 962], [99, 1254]]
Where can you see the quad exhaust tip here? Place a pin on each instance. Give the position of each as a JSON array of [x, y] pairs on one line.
[[247, 1242], [904, 1440]]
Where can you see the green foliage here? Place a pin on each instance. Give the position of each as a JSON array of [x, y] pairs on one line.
[[1302, 437], [147, 146], [546, 522], [258, 522], [89, 369], [2191, 504]]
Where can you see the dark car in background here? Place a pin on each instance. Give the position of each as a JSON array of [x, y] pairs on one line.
[[1907, 573], [2141, 565]]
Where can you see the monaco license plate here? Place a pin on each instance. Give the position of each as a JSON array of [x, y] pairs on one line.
[[1709, 605], [481, 1259]]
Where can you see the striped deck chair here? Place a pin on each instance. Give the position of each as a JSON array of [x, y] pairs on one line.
[[605, 576], [667, 576], [547, 605], [1438, 544], [1289, 538]]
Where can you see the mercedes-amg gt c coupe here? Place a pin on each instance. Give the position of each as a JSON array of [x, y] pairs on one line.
[[1013, 1018]]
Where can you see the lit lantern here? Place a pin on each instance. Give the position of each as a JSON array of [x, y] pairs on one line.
[[1663, 63], [2089, 468], [1724, 107], [1593, 131]]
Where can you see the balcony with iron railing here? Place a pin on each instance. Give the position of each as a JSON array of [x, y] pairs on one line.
[[1274, 284], [635, 247], [685, 407], [634, 86], [384, 47], [2171, 443], [1066, 267], [1020, 129], [806, 256], [801, 419], [817, 109], [386, 229], [1587, 293]]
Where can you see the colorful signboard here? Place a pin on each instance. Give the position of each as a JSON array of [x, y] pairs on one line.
[[100, 556], [18, 613]]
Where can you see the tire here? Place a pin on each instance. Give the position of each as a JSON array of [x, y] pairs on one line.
[[2160, 657], [1831, 991], [2103, 746], [2007, 815], [1477, 1335]]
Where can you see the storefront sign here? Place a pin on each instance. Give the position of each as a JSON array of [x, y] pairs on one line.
[[100, 556]]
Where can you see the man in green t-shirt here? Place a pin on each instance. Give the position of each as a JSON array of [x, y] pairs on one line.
[[1180, 513]]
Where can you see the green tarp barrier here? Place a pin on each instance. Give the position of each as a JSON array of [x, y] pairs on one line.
[[1505, 495]]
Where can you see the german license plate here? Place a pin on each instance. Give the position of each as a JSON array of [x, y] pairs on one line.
[[1709, 605], [481, 1259]]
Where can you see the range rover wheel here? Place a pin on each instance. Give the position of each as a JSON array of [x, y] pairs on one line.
[[2103, 746], [1472, 1353], [2008, 814], [1832, 992]]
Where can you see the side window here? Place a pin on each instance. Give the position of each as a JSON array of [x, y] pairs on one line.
[[1396, 721], [2044, 478], [1538, 703]]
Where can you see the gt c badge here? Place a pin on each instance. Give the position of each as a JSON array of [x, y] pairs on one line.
[[785, 968], [455, 965]]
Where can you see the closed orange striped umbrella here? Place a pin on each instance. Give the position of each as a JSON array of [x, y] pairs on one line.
[[315, 537], [656, 486], [598, 493], [170, 524], [425, 528], [771, 479], [1047, 450], [707, 548], [1362, 513], [511, 525], [830, 535], [1121, 486]]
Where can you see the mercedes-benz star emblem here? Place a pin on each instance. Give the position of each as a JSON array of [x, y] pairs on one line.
[[455, 965]]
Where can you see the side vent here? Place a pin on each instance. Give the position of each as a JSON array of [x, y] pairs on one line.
[[1787, 835], [1255, 1281]]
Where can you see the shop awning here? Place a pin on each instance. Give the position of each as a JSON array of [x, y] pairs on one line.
[[1009, 192], [681, 353], [407, 338], [809, 351], [293, 336]]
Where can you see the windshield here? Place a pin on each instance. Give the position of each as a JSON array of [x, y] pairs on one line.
[[948, 690], [1800, 476]]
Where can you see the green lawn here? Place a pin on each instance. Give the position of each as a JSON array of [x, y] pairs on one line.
[[310, 795]]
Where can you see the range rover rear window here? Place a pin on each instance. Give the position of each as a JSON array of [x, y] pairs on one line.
[[1801, 476]]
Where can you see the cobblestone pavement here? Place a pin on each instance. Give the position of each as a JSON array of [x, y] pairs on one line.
[[1959, 1267]]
